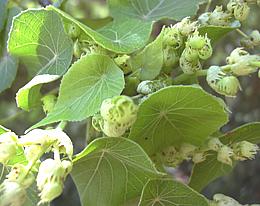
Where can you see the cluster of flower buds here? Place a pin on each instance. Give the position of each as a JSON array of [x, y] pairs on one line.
[[236, 10], [253, 40], [217, 17], [116, 116], [48, 102], [50, 178], [172, 156], [173, 40], [241, 151], [223, 200], [197, 47], [51, 173]]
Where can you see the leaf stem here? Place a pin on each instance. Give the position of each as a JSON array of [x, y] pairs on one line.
[[183, 77], [62, 125]]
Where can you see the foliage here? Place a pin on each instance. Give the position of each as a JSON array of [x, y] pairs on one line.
[[140, 95]]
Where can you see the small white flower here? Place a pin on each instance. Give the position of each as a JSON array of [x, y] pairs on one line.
[[214, 144], [245, 150], [8, 146], [224, 155]]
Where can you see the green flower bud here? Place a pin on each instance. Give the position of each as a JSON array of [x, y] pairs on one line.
[[131, 84], [19, 173], [73, 31], [219, 18], [187, 150], [224, 155], [8, 146], [206, 51], [223, 200], [172, 37], [77, 52], [150, 86], [190, 54], [214, 74], [214, 144], [48, 102], [97, 120], [196, 41], [170, 57], [49, 170], [186, 27], [189, 67], [50, 191], [119, 109], [255, 37], [245, 150], [123, 62], [198, 157], [235, 55], [12, 194], [241, 11], [114, 129]]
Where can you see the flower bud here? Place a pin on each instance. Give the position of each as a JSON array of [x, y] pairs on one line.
[[73, 31], [172, 37], [198, 157], [190, 54], [12, 193], [214, 144], [170, 57], [241, 11], [8, 146], [189, 67], [235, 55], [67, 166], [48, 102], [206, 51], [219, 18], [204, 18], [19, 173], [196, 41], [171, 157], [122, 62], [119, 109], [50, 191], [224, 155], [245, 150], [255, 37], [187, 150], [97, 120], [223, 200], [150, 86], [186, 27]]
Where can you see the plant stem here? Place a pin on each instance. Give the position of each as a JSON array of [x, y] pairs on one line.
[[242, 33], [255, 64], [137, 96], [208, 5], [183, 77], [62, 125]]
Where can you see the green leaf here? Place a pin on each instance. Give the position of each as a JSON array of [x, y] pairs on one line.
[[3, 13], [168, 192], [118, 36], [8, 69], [177, 114], [150, 60], [90, 80], [153, 10], [207, 171], [38, 38], [249, 132], [217, 32], [3, 130], [111, 171], [29, 96]]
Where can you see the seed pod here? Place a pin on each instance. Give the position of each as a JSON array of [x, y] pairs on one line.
[[245, 150], [224, 155]]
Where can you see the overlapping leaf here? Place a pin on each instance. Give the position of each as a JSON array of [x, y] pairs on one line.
[[38, 38], [110, 171], [89, 81], [168, 192], [29, 95], [177, 114], [3, 13]]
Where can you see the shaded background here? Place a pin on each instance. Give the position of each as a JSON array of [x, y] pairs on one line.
[[243, 183]]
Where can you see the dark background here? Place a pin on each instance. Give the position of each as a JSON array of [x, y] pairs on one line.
[[243, 183]]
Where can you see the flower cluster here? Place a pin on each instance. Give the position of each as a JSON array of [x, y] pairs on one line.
[[116, 116], [244, 150], [51, 172], [223, 79]]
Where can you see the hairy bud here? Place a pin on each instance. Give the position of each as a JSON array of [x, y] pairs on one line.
[[186, 26], [189, 67], [172, 37], [224, 155], [214, 144], [8, 146], [198, 157], [245, 150]]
